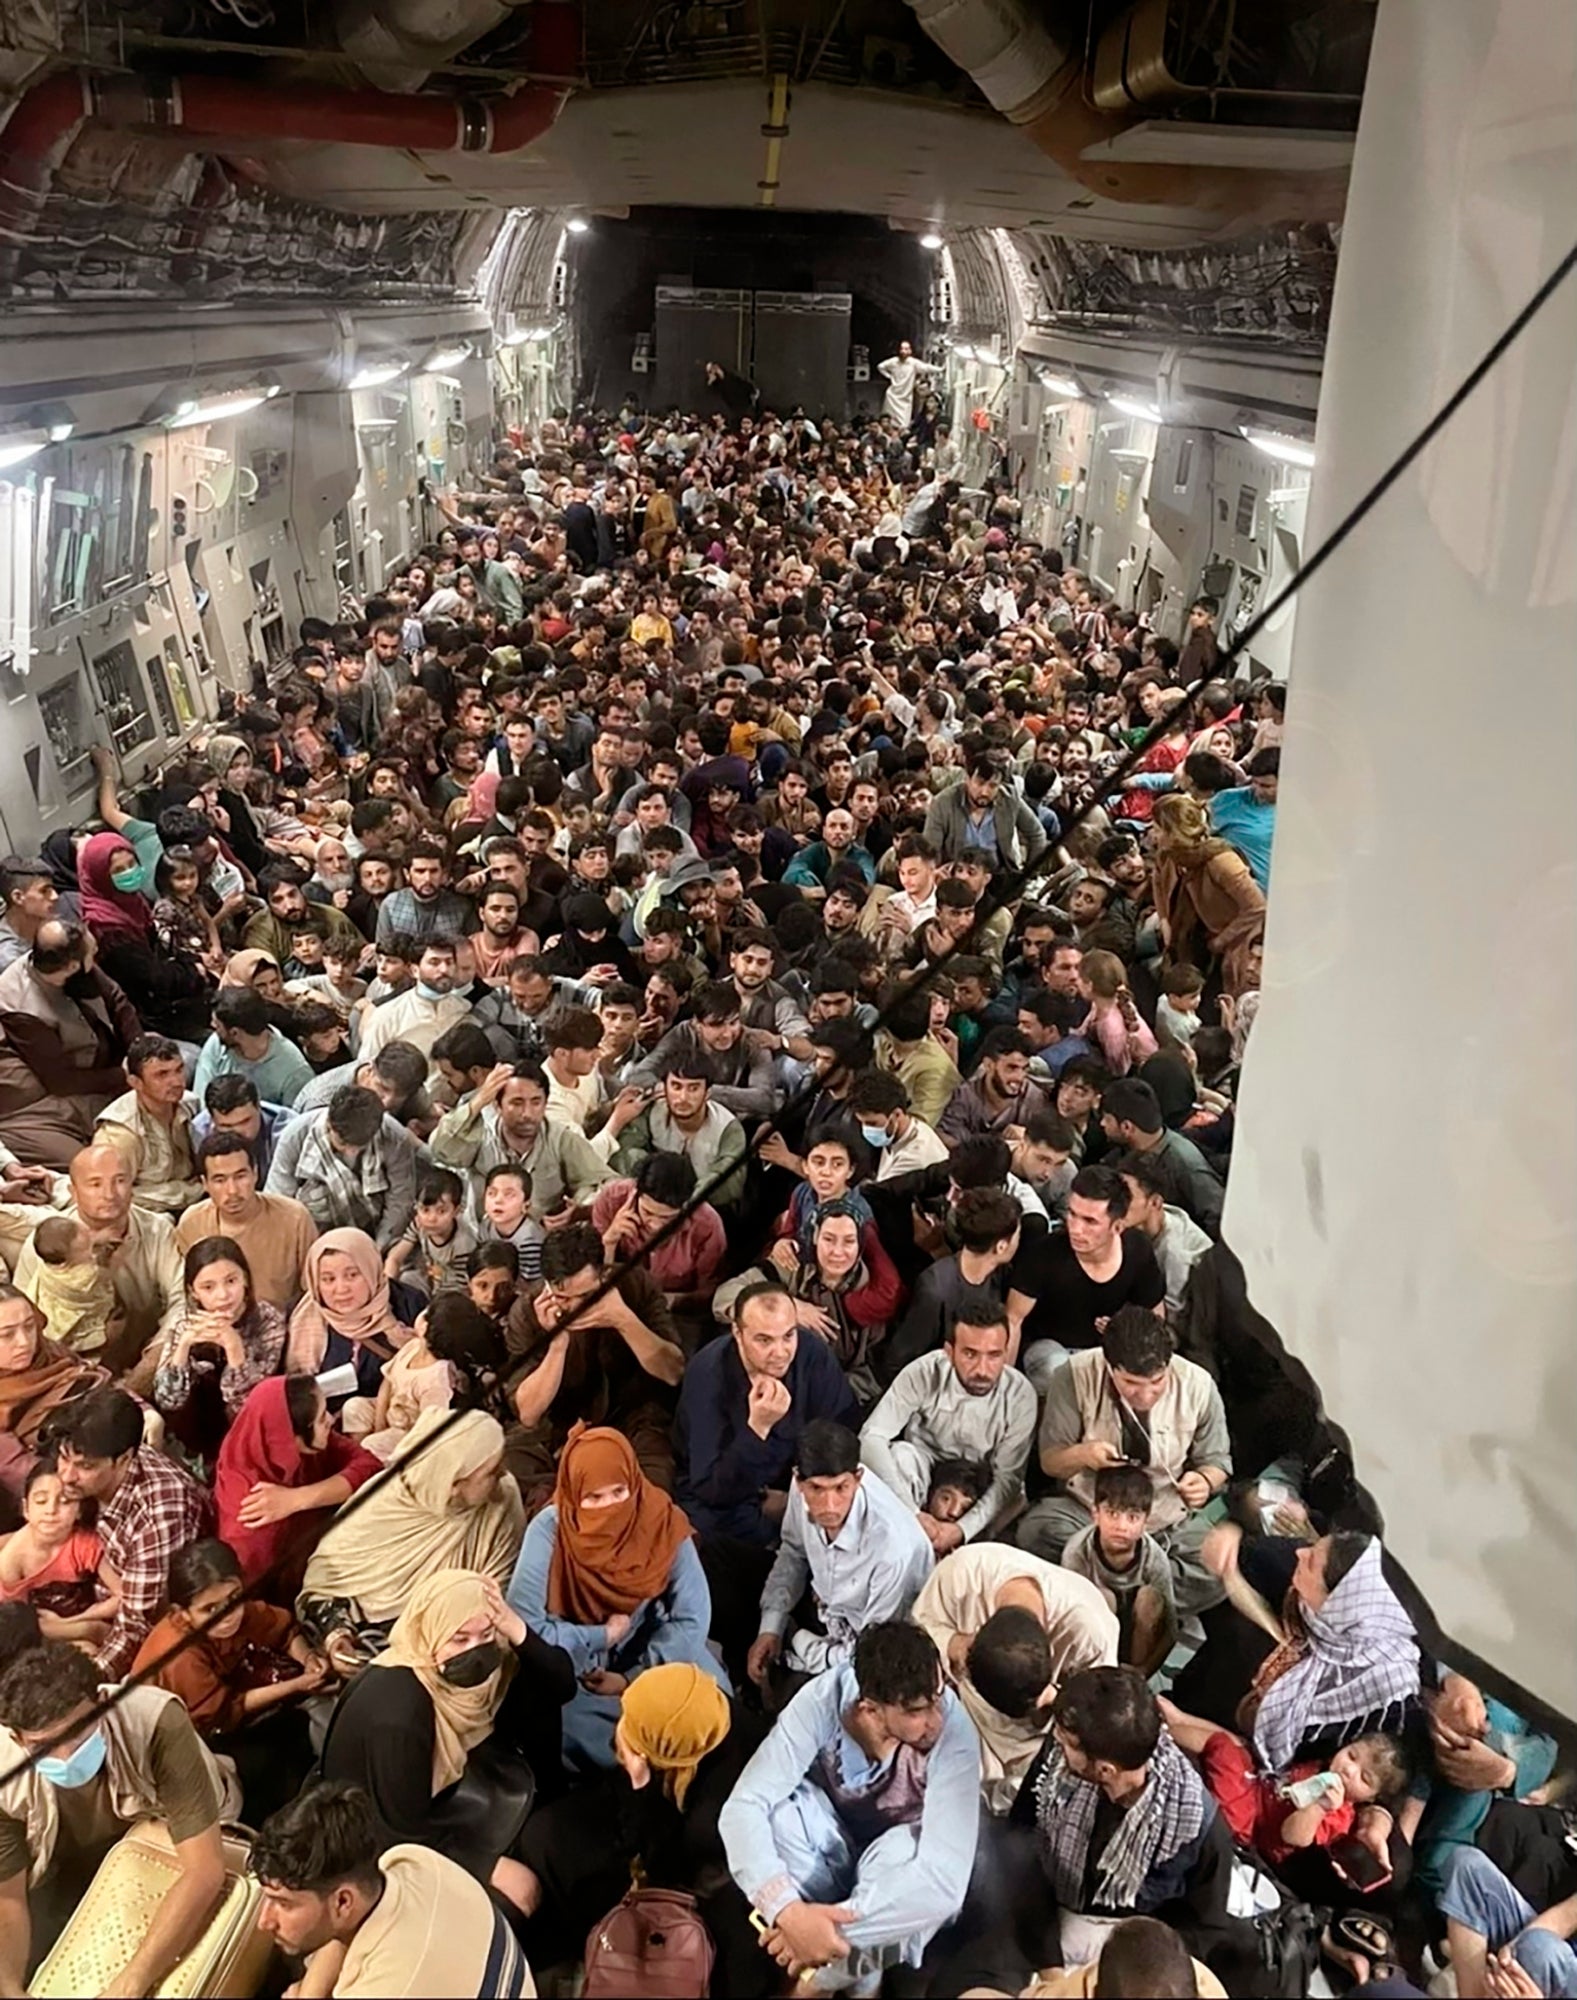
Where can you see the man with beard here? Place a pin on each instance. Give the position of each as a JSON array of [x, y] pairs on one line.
[[427, 906], [501, 937], [420, 1016], [774, 1020]]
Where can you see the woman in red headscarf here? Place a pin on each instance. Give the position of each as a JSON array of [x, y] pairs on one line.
[[170, 992], [610, 1572], [281, 1472]]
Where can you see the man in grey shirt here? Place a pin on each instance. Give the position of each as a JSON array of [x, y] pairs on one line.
[[963, 1401], [395, 1076], [856, 1544]]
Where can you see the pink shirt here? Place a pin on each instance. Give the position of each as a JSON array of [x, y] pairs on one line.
[[1106, 1028], [690, 1259]]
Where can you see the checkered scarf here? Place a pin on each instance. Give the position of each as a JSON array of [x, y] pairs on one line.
[[1362, 1655], [1167, 1815], [357, 1190]]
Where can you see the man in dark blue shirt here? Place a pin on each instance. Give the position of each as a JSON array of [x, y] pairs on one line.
[[743, 1402]]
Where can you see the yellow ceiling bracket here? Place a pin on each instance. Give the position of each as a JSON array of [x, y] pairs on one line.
[[775, 131]]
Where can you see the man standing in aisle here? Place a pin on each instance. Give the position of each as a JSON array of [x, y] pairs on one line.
[[902, 372]]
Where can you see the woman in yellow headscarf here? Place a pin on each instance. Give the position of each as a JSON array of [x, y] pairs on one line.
[[681, 1745], [461, 1672]]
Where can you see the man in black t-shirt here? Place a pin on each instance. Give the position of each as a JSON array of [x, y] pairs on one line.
[[1083, 1274]]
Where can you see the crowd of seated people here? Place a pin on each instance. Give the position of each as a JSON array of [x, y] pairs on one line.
[[611, 1201]]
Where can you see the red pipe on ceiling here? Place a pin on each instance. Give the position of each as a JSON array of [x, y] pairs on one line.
[[47, 118]]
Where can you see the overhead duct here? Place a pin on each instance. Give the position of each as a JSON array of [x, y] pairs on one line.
[[397, 44], [219, 112], [1035, 78]]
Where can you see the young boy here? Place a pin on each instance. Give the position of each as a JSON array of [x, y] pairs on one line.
[[972, 988], [396, 970], [1128, 1566], [1177, 1010], [337, 985], [1313, 1805], [956, 1485], [306, 954], [507, 1217], [74, 1292], [320, 1033], [439, 1239]]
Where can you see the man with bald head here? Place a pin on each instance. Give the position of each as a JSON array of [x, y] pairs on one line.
[[138, 1250]]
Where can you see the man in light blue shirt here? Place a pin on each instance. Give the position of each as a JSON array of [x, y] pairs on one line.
[[245, 1043], [1245, 817], [857, 1545], [852, 1830]]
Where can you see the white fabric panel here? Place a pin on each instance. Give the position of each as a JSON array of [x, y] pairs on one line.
[[1403, 1187]]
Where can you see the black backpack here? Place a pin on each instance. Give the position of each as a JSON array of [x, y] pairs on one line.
[[1288, 1943]]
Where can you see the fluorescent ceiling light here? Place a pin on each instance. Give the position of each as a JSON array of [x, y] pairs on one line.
[[443, 359], [235, 405], [58, 433], [18, 450], [376, 374], [930, 240], [1059, 385], [963, 350], [577, 225], [1285, 450], [1126, 406]]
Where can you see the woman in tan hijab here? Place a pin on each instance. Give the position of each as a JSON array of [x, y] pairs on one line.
[[462, 1686], [1209, 904], [445, 1502]]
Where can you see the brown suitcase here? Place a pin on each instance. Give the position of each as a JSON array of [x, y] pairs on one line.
[[226, 1963]]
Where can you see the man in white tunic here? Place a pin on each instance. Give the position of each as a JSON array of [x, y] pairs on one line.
[[903, 373]]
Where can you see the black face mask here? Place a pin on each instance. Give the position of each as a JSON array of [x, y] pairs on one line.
[[475, 1665]]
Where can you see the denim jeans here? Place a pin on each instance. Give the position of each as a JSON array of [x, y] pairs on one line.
[[1479, 1897]]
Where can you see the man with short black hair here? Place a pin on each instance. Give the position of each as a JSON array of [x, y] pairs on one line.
[[614, 1362], [1131, 1117], [1000, 1094], [962, 1401], [684, 1119], [1086, 1272], [1177, 1240], [79, 1775], [396, 1076], [1006, 1677], [151, 1127], [28, 897], [421, 1015], [851, 1541], [246, 1043], [274, 1231], [1133, 1401], [373, 1926], [713, 1043], [147, 1509], [859, 1870], [987, 1225], [351, 1167], [985, 816]]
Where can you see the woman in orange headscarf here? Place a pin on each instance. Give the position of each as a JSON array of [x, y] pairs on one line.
[[610, 1573]]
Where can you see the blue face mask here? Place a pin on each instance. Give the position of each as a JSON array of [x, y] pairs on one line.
[[80, 1768], [131, 881], [875, 1135], [431, 992]]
